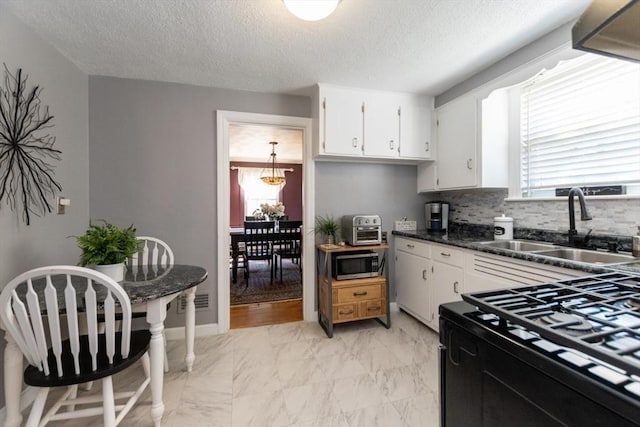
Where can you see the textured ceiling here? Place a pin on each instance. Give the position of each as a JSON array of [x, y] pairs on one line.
[[421, 46], [251, 143]]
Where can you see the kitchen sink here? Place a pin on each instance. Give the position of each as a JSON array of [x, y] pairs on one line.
[[518, 245], [583, 255]]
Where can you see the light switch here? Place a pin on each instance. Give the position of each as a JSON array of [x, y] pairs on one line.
[[61, 203]]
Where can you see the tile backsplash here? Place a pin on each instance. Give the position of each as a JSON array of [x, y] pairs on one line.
[[613, 216]]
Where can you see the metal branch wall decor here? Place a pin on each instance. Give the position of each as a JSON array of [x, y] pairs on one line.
[[26, 177]]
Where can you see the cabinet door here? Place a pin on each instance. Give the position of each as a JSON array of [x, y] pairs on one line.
[[457, 133], [415, 129], [381, 125], [412, 281], [342, 122], [446, 286]]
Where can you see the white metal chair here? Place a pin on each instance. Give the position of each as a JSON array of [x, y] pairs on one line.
[[56, 361]]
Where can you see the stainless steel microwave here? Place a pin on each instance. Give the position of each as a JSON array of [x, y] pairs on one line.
[[354, 265]]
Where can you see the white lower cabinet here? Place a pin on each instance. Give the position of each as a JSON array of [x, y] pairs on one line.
[[423, 281], [447, 287], [412, 278], [429, 274]]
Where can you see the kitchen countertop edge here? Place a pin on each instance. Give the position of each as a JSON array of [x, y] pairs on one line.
[[473, 243]]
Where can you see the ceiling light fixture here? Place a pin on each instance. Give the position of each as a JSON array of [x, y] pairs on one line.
[[272, 179], [311, 10]]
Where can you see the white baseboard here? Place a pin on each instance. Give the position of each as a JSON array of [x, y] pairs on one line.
[[201, 331], [26, 399]]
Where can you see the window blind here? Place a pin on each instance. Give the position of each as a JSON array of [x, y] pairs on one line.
[[580, 125]]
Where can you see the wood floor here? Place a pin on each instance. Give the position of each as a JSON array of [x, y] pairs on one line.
[[266, 313]]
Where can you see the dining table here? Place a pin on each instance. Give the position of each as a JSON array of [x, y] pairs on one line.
[[150, 288]]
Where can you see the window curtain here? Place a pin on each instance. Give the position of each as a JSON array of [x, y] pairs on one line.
[[249, 180]]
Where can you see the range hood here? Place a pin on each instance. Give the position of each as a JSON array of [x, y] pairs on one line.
[[610, 27]]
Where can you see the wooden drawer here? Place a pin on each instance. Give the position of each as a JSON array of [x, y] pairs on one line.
[[447, 255], [345, 312], [372, 308], [357, 293], [413, 246]]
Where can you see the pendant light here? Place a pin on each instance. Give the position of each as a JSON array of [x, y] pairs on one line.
[[268, 175], [311, 10]]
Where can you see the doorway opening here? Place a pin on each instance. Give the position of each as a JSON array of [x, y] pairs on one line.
[[266, 273], [243, 142]]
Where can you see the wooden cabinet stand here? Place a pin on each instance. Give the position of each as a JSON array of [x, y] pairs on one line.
[[353, 299]]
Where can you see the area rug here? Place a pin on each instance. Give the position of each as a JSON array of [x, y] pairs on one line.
[[260, 290]]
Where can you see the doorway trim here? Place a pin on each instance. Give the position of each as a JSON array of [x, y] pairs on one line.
[[223, 120]]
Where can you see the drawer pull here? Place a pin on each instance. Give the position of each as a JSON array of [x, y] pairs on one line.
[[345, 312], [360, 294], [410, 246], [455, 287], [424, 274], [445, 254], [374, 308]]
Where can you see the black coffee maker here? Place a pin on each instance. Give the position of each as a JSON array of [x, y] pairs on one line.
[[437, 216]]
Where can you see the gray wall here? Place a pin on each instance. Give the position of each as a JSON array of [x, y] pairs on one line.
[[354, 188], [65, 91], [153, 163]]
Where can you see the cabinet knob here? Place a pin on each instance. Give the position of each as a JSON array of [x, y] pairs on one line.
[[345, 312], [469, 164], [445, 254], [455, 287], [426, 146], [424, 274], [360, 294], [354, 142], [410, 246], [391, 144]]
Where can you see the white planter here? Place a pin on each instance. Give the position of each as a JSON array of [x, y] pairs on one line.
[[114, 271]]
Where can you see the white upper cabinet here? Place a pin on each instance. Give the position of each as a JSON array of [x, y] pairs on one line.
[[456, 129], [371, 125], [381, 124], [472, 145], [415, 127], [342, 118]]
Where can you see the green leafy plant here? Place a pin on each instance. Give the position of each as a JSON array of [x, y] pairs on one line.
[[327, 226], [106, 244]]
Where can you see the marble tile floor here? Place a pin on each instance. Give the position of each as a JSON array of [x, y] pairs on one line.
[[292, 375]]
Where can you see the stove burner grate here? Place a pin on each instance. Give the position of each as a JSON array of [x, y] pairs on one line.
[[580, 313]]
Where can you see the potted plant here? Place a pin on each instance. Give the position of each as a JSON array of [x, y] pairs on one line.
[[106, 248], [328, 227]]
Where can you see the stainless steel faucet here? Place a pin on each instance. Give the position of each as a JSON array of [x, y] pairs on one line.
[[584, 213]]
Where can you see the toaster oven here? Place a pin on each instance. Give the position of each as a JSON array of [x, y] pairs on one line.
[[358, 230]]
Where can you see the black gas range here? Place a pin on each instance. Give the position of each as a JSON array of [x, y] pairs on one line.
[[564, 353]]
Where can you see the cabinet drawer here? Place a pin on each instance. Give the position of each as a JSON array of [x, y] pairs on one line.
[[413, 246], [357, 293], [372, 308], [345, 312], [447, 255]]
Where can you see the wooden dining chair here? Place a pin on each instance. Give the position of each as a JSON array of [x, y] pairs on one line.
[[258, 241], [288, 244], [58, 355]]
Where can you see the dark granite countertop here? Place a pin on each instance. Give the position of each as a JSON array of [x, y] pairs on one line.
[[469, 236]]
